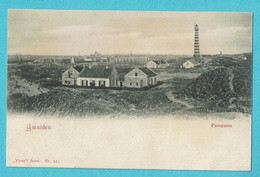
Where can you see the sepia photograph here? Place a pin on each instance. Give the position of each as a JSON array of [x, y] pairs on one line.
[[129, 89]]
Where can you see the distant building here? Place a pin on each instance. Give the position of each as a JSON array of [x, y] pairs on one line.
[[104, 59], [129, 59], [157, 64], [244, 58], [151, 64], [88, 59], [69, 77], [73, 60], [81, 60], [188, 64]]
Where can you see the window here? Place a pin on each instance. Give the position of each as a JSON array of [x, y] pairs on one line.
[[136, 74], [70, 75], [136, 84], [130, 83]]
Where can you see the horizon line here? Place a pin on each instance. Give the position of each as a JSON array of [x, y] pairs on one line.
[[127, 54]]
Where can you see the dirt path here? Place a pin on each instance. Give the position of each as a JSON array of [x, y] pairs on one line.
[[173, 99], [231, 77]]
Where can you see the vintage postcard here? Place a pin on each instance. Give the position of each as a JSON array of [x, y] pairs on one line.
[[129, 89]]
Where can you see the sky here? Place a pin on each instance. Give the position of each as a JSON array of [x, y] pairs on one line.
[[68, 32]]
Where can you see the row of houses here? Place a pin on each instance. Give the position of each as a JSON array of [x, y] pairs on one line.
[[156, 63], [182, 63], [129, 59], [109, 77]]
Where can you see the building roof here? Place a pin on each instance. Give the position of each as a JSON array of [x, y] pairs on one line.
[[183, 60], [78, 68], [122, 72], [188, 61], [158, 62], [148, 71], [96, 72], [192, 60]]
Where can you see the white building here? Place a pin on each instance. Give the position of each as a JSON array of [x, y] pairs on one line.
[[140, 77], [97, 77], [157, 64], [109, 77], [187, 64], [69, 77]]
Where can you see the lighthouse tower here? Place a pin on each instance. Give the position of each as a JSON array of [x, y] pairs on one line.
[[196, 42]]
